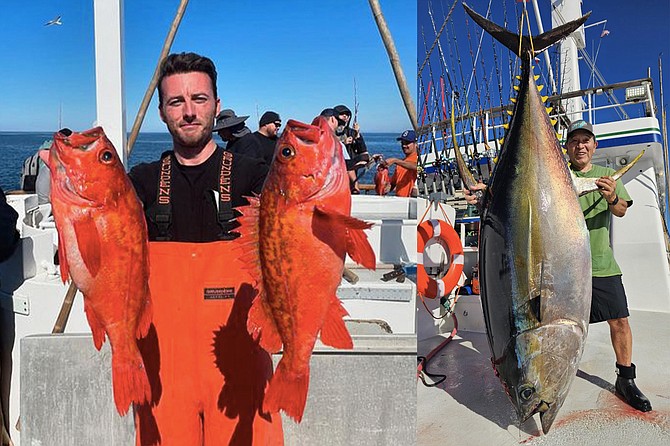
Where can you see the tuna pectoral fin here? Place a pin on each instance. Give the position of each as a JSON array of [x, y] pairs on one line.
[[129, 381], [260, 324], [511, 40], [334, 332], [287, 391], [88, 242], [358, 247]]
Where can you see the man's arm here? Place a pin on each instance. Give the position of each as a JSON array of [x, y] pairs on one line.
[[409, 165], [607, 187]]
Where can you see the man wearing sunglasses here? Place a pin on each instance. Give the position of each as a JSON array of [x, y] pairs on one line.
[[267, 134]]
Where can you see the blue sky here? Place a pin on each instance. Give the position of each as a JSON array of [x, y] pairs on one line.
[[294, 57], [638, 33]]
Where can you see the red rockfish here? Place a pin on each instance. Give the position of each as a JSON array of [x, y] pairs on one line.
[[103, 246], [382, 180], [297, 236]]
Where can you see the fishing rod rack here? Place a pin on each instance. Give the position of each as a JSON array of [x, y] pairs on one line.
[[480, 132]]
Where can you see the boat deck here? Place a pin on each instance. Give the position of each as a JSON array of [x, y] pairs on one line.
[[470, 407]]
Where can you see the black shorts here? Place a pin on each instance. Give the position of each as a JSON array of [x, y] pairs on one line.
[[608, 300]]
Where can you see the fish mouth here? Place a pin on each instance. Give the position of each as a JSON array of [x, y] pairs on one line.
[[63, 144]]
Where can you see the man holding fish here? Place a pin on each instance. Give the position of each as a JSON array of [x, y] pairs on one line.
[[207, 374], [608, 295]]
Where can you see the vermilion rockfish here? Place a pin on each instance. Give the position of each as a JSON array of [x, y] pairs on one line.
[[296, 243], [103, 246], [382, 180]]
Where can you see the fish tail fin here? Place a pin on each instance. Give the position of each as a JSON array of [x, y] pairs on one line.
[[261, 325], [287, 391], [130, 382], [334, 332], [511, 40]]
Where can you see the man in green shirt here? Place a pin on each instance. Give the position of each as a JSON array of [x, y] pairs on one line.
[[608, 297]]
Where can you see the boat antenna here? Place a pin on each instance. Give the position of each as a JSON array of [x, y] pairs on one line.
[[395, 61], [154, 80]]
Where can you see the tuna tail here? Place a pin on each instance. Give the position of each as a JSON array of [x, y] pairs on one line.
[[523, 44], [130, 382], [287, 391]]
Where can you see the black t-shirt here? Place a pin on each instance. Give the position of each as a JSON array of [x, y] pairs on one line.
[[267, 146], [194, 207], [247, 145], [9, 236]]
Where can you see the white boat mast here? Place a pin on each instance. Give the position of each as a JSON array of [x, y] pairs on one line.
[[563, 11], [109, 84]]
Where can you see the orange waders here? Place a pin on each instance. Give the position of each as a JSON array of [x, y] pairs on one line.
[[207, 375]]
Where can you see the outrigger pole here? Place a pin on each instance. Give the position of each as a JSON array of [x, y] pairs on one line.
[[395, 61], [154, 80]]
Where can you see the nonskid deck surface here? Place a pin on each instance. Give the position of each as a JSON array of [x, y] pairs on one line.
[[470, 407]]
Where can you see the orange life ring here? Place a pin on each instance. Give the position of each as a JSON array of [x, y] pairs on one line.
[[427, 286]]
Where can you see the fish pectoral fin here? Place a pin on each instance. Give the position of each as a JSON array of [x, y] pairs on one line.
[[97, 329], [62, 259], [334, 218], [535, 304], [88, 242], [262, 327], [333, 331], [358, 247]]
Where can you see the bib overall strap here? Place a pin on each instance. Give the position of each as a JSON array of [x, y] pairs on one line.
[[161, 212], [226, 214]]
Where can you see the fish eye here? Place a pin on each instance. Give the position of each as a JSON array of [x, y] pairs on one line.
[[287, 152], [526, 393], [106, 156]]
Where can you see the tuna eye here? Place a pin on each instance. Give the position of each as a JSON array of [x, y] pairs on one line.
[[106, 156], [527, 393], [287, 152]]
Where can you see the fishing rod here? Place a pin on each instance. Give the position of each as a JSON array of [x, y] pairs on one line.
[[355, 103], [435, 109]]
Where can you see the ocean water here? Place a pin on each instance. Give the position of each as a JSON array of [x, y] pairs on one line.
[[15, 147]]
